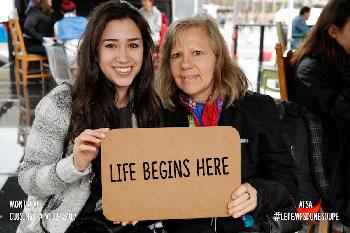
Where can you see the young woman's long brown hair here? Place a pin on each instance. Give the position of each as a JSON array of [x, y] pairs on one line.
[[93, 95], [318, 41]]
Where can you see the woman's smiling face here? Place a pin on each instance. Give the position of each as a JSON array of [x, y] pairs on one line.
[[121, 52], [192, 64]]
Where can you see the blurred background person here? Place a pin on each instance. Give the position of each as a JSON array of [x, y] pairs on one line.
[[21, 7], [299, 27], [154, 19], [69, 30], [322, 85], [37, 25]]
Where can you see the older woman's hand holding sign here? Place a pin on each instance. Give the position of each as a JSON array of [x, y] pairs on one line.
[[244, 200]]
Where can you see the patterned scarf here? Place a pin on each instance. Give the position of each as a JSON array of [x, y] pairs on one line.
[[207, 114]]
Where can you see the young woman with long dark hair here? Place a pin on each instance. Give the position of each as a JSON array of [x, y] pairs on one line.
[[113, 88], [322, 86]]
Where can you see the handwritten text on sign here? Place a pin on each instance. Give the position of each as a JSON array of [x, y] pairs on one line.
[[169, 173], [169, 169]]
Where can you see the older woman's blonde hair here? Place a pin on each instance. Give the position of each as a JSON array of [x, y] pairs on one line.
[[229, 80]]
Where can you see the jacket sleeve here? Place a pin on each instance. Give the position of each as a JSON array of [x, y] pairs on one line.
[[43, 172], [302, 27], [30, 26], [275, 179], [332, 97]]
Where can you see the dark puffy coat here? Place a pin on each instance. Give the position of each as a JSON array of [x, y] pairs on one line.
[[325, 91], [38, 24], [266, 161]]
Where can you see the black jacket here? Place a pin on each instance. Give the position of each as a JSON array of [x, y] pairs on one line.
[[38, 24], [266, 161], [325, 91]]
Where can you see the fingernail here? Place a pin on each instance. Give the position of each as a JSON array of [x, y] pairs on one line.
[[103, 136]]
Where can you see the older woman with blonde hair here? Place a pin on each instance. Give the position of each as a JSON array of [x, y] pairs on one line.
[[201, 86]]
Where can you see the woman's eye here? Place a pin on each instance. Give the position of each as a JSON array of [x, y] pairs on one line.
[[134, 45], [197, 52], [175, 55], [110, 45]]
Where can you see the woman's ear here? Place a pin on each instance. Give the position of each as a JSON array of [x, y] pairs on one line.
[[333, 31]]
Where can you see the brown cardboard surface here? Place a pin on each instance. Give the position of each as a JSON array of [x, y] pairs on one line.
[[139, 195]]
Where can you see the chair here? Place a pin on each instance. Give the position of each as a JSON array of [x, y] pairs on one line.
[[281, 34], [22, 73], [58, 63], [284, 69], [269, 74]]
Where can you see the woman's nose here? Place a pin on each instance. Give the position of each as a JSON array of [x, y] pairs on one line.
[[122, 55], [186, 62]]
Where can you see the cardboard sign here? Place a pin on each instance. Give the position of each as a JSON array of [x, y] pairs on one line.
[[169, 173]]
